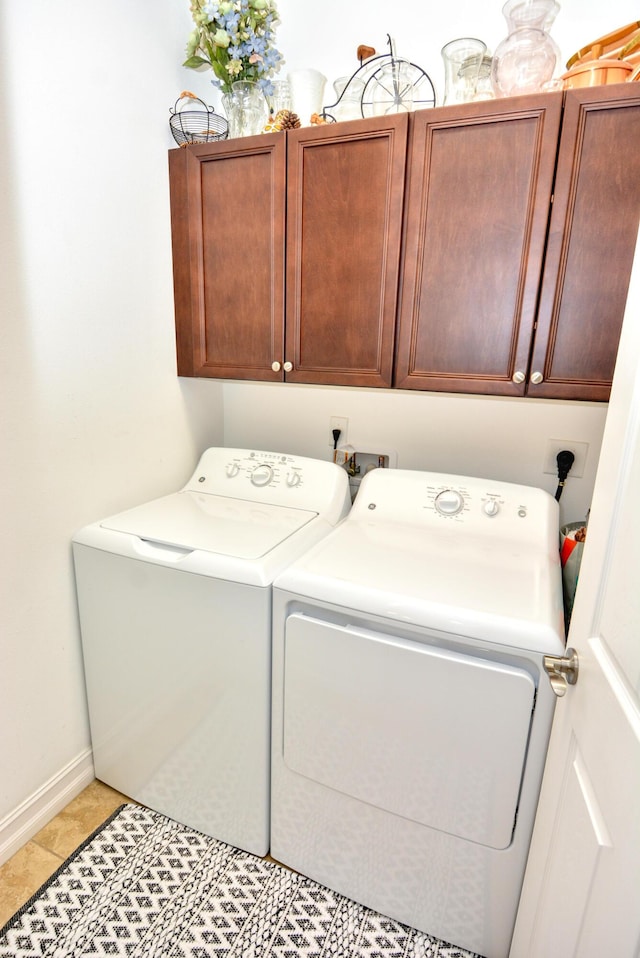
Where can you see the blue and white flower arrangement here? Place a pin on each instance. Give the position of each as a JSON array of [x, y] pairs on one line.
[[236, 38]]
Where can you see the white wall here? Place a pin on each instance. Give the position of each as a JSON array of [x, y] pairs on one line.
[[92, 416], [326, 36], [468, 435]]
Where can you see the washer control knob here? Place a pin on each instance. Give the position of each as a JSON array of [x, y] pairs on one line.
[[262, 475], [449, 502], [522, 511], [233, 469], [491, 507], [293, 479]]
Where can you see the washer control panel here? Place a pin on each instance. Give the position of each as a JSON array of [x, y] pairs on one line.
[[256, 469], [270, 477]]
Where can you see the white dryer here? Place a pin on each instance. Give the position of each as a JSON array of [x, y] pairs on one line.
[[411, 711], [175, 612]]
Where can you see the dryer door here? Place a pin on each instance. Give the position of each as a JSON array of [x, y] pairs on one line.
[[431, 735]]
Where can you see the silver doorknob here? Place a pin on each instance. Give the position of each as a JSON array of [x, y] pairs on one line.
[[536, 378], [518, 376], [562, 670], [276, 367], [288, 367]]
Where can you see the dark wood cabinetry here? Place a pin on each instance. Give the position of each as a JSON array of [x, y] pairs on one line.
[[345, 190], [344, 187], [228, 226], [479, 187], [481, 248], [591, 243]]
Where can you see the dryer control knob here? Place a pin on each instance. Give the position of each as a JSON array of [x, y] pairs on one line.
[[449, 502], [491, 507], [262, 475]]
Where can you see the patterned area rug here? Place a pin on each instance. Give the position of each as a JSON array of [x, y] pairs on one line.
[[144, 885]]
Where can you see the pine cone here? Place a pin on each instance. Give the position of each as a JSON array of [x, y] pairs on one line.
[[286, 120]]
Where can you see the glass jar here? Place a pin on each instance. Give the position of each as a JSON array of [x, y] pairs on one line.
[[280, 98], [526, 59]]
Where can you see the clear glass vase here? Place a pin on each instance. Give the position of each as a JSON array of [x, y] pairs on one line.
[[463, 59], [246, 109], [348, 106], [526, 59]]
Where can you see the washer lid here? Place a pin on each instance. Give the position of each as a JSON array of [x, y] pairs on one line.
[[198, 521]]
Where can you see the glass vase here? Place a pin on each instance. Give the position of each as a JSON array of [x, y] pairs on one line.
[[463, 59], [526, 59], [348, 106], [246, 109]]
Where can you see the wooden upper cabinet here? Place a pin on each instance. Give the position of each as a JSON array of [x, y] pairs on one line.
[[432, 234], [228, 230], [345, 191], [480, 179], [594, 222]]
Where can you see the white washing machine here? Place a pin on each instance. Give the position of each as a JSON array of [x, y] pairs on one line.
[[175, 613], [411, 711]]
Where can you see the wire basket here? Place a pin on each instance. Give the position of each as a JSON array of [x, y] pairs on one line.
[[196, 126]]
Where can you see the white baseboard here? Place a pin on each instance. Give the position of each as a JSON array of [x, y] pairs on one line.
[[39, 808]]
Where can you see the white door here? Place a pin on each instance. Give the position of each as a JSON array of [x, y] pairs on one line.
[[581, 895]]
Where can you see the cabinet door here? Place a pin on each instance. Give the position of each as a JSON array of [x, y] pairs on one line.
[[480, 181], [228, 222], [592, 236], [345, 191]]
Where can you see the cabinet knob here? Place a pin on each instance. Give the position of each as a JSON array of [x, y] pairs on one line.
[[536, 378], [276, 367], [288, 367], [518, 376]]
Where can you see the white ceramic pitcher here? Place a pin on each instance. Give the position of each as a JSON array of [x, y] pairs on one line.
[[307, 88]]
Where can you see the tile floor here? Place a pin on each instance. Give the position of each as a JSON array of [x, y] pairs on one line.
[[31, 865]]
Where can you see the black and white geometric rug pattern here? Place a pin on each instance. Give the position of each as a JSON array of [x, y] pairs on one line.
[[144, 885]]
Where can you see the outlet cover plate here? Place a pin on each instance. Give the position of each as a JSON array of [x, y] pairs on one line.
[[554, 446], [341, 423]]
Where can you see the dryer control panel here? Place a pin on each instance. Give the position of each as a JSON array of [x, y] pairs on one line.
[[272, 477], [463, 505]]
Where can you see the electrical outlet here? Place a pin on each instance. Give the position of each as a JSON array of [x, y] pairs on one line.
[[554, 446], [341, 423]]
